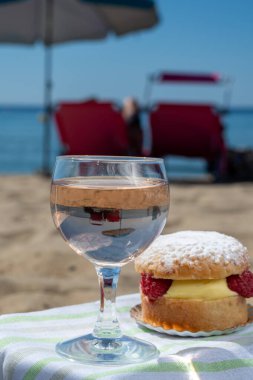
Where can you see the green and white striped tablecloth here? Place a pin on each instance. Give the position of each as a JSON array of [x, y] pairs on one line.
[[27, 349]]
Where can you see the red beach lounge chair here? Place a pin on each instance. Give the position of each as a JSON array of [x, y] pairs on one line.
[[189, 130], [91, 127]]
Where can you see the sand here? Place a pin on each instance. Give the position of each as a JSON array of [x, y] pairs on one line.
[[38, 270]]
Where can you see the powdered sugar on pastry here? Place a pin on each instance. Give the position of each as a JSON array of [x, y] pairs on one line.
[[193, 254]]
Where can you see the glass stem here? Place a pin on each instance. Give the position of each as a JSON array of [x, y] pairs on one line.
[[107, 325]]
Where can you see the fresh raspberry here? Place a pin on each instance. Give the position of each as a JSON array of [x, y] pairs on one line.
[[154, 287], [241, 284]]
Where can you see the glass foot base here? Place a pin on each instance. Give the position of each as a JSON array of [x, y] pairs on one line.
[[90, 350]]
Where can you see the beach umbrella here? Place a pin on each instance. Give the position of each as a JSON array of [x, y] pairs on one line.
[[58, 21]]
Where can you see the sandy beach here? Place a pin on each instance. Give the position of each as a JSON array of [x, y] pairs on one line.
[[38, 269]]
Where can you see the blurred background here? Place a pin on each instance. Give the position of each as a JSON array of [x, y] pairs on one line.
[[199, 36], [38, 269]]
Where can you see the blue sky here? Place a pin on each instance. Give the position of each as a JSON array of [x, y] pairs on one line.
[[193, 35]]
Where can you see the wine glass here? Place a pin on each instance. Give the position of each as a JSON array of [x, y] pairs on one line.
[[109, 210]]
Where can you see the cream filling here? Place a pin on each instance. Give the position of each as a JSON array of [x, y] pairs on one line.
[[200, 289]]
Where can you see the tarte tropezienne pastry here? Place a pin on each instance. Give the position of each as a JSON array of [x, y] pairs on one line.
[[195, 281]]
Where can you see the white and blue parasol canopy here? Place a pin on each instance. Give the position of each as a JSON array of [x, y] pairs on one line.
[[58, 21]]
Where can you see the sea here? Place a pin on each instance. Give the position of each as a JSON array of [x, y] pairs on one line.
[[21, 141]]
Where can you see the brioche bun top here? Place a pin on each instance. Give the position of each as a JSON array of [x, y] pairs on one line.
[[196, 255]]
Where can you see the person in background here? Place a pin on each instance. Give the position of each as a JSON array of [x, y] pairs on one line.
[[131, 116]]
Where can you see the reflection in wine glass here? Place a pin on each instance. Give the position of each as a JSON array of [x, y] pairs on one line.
[[109, 210], [89, 242]]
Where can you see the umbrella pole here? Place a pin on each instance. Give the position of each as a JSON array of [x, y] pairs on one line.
[[48, 87], [47, 111]]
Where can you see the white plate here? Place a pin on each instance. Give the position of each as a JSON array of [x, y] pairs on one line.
[[135, 313]]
